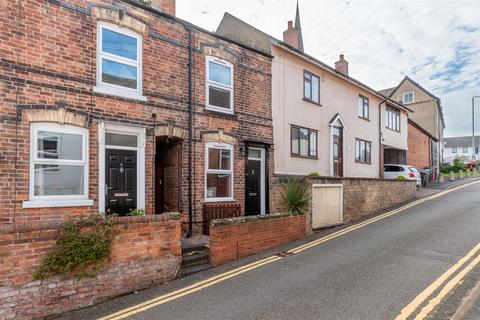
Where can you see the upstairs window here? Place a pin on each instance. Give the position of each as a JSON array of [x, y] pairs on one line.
[[219, 93], [392, 119], [464, 150], [363, 107], [303, 142], [454, 149], [408, 97], [119, 68], [311, 87]]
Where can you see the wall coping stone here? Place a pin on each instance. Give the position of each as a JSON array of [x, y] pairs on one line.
[[57, 224], [246, 219]]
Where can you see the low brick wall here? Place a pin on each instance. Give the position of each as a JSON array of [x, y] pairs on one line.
[[145, 250], [361, 196], [234, 238]]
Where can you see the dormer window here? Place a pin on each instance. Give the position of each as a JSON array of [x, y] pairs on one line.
[[408, 97], [219, 88], [119, 61]]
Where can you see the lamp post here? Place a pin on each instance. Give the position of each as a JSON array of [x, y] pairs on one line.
[[473, 126]]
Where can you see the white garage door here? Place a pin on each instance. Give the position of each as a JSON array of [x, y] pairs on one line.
[[327, 203]]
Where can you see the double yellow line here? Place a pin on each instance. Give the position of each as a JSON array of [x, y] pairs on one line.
[[409, 310], [235, 272]]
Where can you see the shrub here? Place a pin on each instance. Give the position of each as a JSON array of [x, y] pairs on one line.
[[295, 198], [82, 243], [400, 178], [145, 2], [137, 212], [314, 175]]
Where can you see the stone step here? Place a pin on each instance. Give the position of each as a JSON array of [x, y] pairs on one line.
[[194, 249], [191, 270], [195, 259]]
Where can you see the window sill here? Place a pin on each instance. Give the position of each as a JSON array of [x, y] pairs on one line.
[[119, 93], [220, 200], [363, 118], [397, 131], [57, 203], [363, 162], [303, 157], [220, 110], [311, 101]]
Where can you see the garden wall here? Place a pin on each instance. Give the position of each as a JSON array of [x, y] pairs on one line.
[[235, 238], [361, 196], [145, 250]]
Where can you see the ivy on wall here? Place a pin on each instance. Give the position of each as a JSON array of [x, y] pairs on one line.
[[83, 243]]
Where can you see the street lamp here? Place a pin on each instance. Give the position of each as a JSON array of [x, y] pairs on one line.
[[473, 126]]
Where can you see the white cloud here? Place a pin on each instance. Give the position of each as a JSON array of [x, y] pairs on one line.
[[437, 43]]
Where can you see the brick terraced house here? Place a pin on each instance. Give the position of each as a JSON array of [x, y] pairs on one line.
[[113, 106]]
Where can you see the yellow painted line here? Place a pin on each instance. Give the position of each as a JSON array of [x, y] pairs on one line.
[[447, 289], [235, 272], [412, 306]]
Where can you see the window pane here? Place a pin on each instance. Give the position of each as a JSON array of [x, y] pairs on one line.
[[307, 76], [115, 139], [368, 150], [219, 73], [254, 153], [315, 89], [357, 150], [304, 142], [218, 185], [63, 146], [55, 180], [213, 158], [119, 44], [225, 154], [362, 151], [313, 144], [119, 74], [365, 108], [360, 107], [308, 88], [295, 141], [219, 97]]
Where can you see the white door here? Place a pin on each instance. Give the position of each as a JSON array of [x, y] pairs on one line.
[[327, 205]]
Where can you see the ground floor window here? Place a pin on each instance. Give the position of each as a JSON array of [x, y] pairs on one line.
[[219, 172], [303, 142], [58, 162], [363, 151]]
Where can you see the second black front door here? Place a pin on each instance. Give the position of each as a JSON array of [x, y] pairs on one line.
[[253, 187], [121, 180]]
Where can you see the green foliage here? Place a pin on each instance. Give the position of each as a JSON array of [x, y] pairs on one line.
[[314, 175], [400, 178], [458, 164], [295, 198], [145, 2], [137, 212], [82, 243]]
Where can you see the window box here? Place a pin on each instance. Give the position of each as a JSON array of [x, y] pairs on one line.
[[219, 92]]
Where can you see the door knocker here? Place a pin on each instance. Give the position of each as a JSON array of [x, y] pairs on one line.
[[121, 168]]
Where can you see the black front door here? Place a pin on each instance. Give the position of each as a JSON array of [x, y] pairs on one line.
[[253, 187], [121, 180]]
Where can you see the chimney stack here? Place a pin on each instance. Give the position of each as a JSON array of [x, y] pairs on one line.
[[342, 65], [290, 35], [167, 6]]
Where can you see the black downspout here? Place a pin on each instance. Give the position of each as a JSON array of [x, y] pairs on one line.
[[190, 134]]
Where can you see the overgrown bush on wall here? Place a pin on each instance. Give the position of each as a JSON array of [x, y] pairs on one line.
[[295, 197], [458, 164], [83, 243]]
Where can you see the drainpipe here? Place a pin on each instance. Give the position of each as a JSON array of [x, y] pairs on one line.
[[380, 168], [190, 133]]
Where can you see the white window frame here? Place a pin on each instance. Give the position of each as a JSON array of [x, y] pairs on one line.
[[210, 83], [407, 93], [224, 146], [112, 89], [57, 200]]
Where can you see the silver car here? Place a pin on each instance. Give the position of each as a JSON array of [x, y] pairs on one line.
[[392, 171]]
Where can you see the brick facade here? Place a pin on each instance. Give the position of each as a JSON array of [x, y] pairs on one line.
[[419, 147], [235, 238], [145, 251], [48, 71]]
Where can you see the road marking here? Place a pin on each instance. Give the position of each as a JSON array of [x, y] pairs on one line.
[[447, 289], [418, 300], [235, 272]]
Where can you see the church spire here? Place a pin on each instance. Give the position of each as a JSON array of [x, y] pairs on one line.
[[298, 26]]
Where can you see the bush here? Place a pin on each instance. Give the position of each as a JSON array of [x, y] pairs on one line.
[[458, 164], [314, 175], [400, 178], [82, 243], [145, 2], [137, 212], [295, 198]]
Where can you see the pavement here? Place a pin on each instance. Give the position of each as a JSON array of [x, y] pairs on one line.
[[370, 272]]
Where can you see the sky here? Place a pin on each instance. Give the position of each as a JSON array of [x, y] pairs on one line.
[[435, 42]]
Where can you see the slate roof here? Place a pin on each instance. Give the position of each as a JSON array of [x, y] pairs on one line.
[[460, 142]]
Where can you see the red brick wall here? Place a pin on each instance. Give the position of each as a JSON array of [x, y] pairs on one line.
[[239, 237], [48, 59], [419, 152], [145, 251]]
